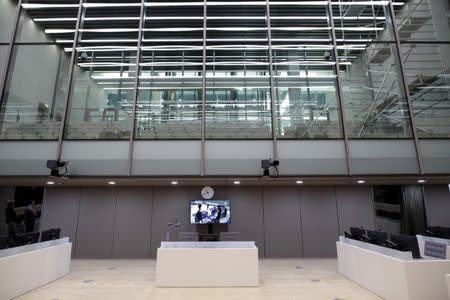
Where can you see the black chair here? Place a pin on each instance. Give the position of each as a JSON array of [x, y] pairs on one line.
[[188, 236], [229, 236]]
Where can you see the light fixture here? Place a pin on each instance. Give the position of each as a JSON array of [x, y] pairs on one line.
[[361, 181], [421, 181], [174, 182], [50, 182], [111, 182], [299, 182], [237, 182]]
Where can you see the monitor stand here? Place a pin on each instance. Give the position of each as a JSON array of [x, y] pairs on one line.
[[210, 237]]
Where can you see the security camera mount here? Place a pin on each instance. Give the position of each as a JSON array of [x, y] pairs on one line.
[[55, 166], [267, 165]]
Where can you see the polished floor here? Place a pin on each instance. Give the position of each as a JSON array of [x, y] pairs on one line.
[[280, 279]]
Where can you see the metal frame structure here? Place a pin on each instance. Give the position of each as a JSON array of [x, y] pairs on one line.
[[144, 5]]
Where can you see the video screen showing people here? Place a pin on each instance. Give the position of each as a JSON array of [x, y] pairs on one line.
[[210, 212]]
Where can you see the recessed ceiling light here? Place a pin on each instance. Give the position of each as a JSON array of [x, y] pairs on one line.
[[421, 181], [361, 181], [174, 182], [299, 182], [50, 182], [237, 182], [111, 182]]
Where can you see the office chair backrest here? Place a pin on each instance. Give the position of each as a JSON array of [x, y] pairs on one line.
[[188, 236], [434, 249], [229, 236]]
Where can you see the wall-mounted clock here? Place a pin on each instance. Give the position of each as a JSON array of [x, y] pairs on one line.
[[207, 192]]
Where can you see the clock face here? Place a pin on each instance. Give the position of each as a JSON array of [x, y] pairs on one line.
[[207, 192]]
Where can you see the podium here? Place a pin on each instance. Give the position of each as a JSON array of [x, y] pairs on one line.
[[25, 268], [206, 264]]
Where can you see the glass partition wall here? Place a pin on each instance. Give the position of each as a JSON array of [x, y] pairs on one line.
[[237, 93], [224, 69], [169, 104]]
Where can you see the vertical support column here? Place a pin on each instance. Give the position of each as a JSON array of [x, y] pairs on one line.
[[401, 71], [202, 150], [340, 97], [4, 75], [136, 86], [271, 83], [73, 60]]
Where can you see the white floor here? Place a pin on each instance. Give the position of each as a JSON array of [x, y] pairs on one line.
[[135, 279]]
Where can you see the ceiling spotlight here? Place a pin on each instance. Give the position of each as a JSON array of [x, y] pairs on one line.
[[299, 182], [50, 182], [111, 182], [361, 181], [174, 182], [421, 181], [237, 182]]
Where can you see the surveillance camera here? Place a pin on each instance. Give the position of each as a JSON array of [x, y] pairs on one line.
[[55, 166], [276, 163], [83, 57]]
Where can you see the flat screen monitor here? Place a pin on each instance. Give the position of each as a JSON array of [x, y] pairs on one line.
[[406, 243], [50, 234], [27, 238], [377, 237], [210, 212], [357, 233], [4, 239]]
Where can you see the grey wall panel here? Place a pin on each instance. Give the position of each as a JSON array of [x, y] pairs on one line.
[[168, 203], [355, 207], [60, 210], [26, 158], [247, 214], [96, 223], [132, 225], [319, 221], [435, 156], [282, 226], [437, 205], [383, 157]]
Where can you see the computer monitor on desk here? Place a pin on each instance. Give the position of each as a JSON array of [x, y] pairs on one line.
[[50, 234], [377, 237], [406, 243], [4, 240], [27, 238], [357, 233]]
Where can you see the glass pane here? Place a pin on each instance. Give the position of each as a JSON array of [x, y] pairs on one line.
[[362, 22], [3, 54], [428, 78], [374, 100], [238, 102], [170, 81], [44, 24], [306, 101], [34, 96], [295, 22], [8, 10], [303, 71], [423, 20], [102, 98]]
